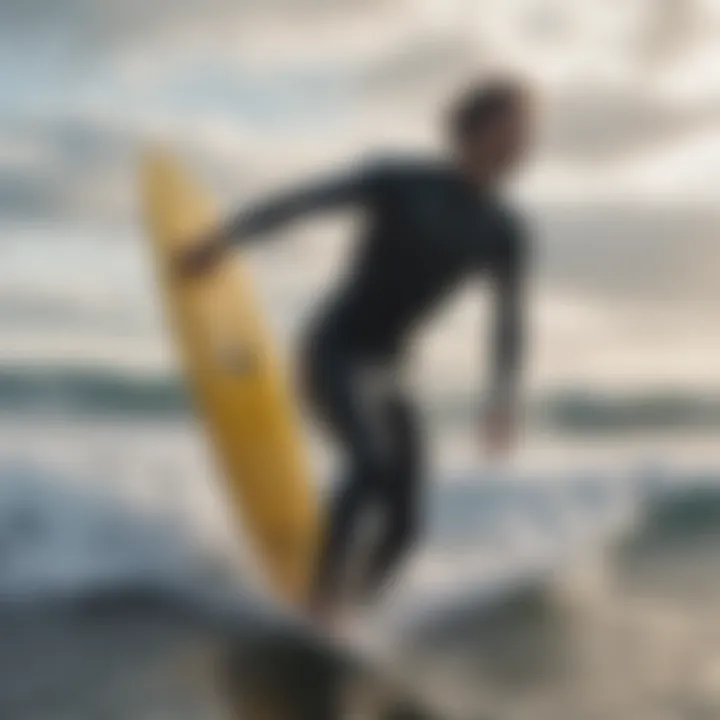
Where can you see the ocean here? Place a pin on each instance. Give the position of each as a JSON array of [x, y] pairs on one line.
[[132, 512]]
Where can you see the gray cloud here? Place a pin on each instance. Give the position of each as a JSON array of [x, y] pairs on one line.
[[73, 174], [630, 250], [591, 122]]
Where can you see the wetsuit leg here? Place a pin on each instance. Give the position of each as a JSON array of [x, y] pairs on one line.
[[375, 431], [400, 496]]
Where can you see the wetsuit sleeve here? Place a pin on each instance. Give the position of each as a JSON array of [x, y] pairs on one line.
[[356, 187], [508, 323]]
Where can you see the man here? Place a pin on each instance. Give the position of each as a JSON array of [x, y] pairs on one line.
[[431, 224]]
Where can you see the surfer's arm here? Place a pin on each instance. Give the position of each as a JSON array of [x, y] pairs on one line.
[[508, 323], [351, 189], [507, 347]]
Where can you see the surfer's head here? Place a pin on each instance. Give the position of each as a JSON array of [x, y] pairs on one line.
[[489, 126]]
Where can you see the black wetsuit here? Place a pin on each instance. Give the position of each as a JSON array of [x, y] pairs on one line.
[[427, 230]]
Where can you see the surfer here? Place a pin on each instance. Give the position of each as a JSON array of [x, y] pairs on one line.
[[432, 223]]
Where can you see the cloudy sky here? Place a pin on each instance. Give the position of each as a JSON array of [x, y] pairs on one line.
[[623, 185]]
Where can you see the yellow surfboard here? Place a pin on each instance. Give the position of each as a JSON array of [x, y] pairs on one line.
[[230, 362]]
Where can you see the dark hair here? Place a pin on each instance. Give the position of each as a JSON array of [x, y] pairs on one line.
[[483, 102]]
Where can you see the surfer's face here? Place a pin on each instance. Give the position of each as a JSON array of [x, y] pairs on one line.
[[496, 145]]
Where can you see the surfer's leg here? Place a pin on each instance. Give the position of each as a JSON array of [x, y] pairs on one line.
[[400, 496], [352, 418], [354, 497]]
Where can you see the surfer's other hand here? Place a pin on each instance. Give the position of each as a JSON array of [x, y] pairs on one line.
[[499, 430], [203, 256]]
